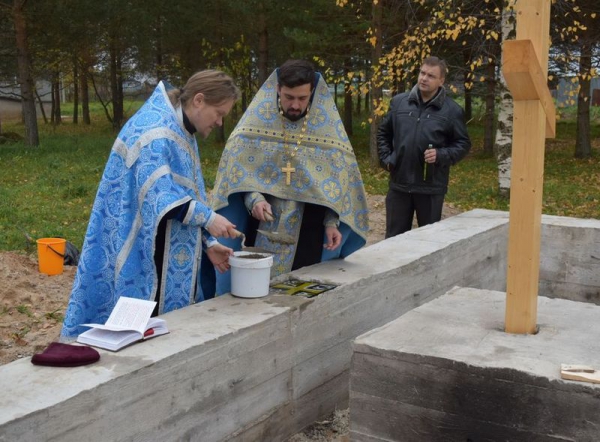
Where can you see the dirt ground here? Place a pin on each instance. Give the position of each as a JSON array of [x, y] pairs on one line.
[[32, 306]]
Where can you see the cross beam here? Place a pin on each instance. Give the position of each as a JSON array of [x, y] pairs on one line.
[[525, 69], [526, 79]]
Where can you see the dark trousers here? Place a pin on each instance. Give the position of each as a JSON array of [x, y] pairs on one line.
[[310, 241], [400, 208]]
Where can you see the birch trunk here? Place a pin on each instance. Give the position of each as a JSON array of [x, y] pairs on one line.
[[504, 130]]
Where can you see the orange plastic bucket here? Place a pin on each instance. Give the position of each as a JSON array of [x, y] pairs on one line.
[[51, 255]]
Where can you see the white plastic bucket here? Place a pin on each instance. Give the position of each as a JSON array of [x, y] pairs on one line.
[[250, 276]]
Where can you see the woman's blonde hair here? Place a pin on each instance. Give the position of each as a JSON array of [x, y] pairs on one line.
[[216, 86]]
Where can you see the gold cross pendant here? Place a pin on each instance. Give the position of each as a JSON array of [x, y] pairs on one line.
[[288, 170]]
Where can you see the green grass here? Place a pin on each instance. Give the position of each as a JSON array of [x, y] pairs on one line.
[[24, 310], [55, 315], [571, 186], [48, 191]]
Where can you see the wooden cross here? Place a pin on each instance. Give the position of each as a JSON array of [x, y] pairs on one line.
[[525, 69], [288, 170]]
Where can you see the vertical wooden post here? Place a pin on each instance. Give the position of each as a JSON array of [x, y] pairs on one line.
[[524, 229], [531, 117]]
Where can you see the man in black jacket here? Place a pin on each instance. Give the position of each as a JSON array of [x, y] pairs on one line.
[[422, 135]]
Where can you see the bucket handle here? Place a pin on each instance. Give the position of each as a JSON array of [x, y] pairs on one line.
[[55, 251]]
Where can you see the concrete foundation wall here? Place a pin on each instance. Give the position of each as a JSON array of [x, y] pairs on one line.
[[570, 259], [262, 369], [250, 370], [448, 372]]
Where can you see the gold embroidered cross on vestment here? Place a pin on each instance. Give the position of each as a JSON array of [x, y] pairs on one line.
[[288, 170]]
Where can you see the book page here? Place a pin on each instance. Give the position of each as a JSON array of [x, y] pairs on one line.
[[111, 338], [131, 313]]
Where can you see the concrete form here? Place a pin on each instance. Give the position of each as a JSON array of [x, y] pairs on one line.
[[447, 371], [263, 369]]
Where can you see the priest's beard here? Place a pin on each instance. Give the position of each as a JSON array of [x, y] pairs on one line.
[[295, 117]]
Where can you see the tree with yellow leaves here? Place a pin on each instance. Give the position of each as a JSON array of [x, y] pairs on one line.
[[469, 35]]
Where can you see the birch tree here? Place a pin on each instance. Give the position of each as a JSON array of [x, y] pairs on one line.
[[504, 128]]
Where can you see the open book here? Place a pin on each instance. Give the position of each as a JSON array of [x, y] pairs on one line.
[[129, 322]]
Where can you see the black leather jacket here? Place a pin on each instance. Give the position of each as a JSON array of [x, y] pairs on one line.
[[409, 128]]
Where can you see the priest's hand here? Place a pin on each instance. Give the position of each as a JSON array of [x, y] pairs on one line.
[[262, 211], [334, 238], [219, 256], [222, 227]]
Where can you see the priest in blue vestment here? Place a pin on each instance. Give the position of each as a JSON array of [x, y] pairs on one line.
[[151, 224], [288, 177]]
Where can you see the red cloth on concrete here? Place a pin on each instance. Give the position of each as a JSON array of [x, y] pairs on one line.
[[65, 355]]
